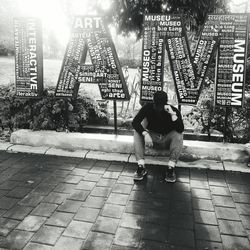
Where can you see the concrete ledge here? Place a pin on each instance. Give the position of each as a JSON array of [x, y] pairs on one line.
[[98, 155], [5, 145], [62, 152], [27, 149], [192, 150]]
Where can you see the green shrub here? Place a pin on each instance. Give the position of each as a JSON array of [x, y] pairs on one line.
[[49, 112]]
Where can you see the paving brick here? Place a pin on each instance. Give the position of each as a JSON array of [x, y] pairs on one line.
[[61, 173], [184, 221], [106, 182], [69, 206], [18, 212], [119, 199], [66, 243], [7, 203], [138, 196], [245, 221], [53, 180], [232, 228], [85, 185], [181, 187], [181, 207], [7, 225], [55, 198], [37, 246], [98, 240], [223, 201], [157, 217], [65, 188], [122, 188], [31, 223], [136, 207], [217, 182], [31, 200], [2, 211], [112, 210], [205, 245], [215, 174], [127, 237], [202, 204], [227, 213], [18, 239], [201, 193], [18, 192], [125, 180], [3, 192], [106, 225], [101, 191], [60, 219], [233, 242], [199, 184], [233, 177], [238, 188], [243, 209], [207, 232], [47, 235], [44, 188], [241, 198], [116, 167], [92, 177], [78, 229], [97, 170], [111, 175], [220, 191], [44, 209], [94, 202], [72, 179], [9, 185], [149, 245], [87, 214], [132, 221], [79, 195], [205, 217], [116, 247], [186, 239], [79, 171], [198, 174]]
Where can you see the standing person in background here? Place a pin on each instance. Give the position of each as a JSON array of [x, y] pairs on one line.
[[158, 124]]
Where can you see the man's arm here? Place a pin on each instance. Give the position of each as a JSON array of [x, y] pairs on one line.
[[136, 123], [178, 122], [176, 117]]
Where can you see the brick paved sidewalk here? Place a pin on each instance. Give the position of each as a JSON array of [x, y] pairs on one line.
[[49, 202]]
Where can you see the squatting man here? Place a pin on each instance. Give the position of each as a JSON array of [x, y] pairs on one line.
[[158, 125]]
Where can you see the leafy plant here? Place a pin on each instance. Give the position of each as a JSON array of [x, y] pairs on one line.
[[48, 112]]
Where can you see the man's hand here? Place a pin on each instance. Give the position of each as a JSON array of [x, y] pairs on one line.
[[169, 109], [147, 139]]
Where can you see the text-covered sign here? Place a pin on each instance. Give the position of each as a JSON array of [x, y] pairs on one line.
[[232, 56], [152, 58], [28, 57], [90, 34], [227, 31]]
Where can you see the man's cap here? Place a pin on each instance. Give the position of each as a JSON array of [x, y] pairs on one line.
[[160, 98]]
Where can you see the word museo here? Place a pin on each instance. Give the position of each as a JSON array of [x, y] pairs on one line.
[[228, 32]]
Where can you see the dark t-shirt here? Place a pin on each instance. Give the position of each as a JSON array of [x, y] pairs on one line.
[[159, 122]]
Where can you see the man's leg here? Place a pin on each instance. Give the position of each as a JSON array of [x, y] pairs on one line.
[[175, 142], [139, 147]]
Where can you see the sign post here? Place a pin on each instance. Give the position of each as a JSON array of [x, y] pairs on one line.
[[28, 57]]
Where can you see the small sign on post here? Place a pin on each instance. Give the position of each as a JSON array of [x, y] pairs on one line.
[[28, 57]]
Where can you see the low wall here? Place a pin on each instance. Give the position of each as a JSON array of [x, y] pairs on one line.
[[192, 150]]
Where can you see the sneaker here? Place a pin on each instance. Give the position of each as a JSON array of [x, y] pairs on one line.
[[140, 173], [170, 175]]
